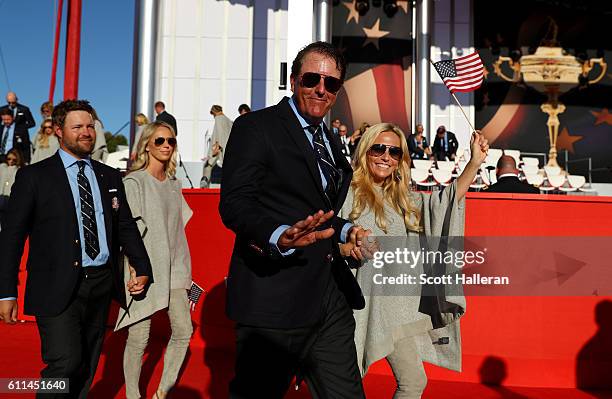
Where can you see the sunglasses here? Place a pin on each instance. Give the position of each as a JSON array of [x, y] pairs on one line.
[[47, 127], [377, 150], [161, 140], [312, 79]]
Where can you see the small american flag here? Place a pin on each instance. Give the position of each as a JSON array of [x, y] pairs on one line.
[[463, 74], [194, 293]]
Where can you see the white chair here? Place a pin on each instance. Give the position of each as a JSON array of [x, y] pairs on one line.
[[556, 181], [493, 156], [531, 161], [442, 176], [422, 164], [516, 154], [420, 177], [574, 183], [552, 170], [118, 159], [530, 169], [534, 179], [446, 165]]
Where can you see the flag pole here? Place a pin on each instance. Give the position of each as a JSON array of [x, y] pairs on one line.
[[458, 103]]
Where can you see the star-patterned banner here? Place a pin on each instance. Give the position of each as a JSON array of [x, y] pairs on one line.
[[512, 110], [378, 49]]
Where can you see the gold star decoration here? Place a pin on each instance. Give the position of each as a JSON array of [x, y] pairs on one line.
[[403, 4], [353, 14], [602, 117], [373, 34], [566, 142]]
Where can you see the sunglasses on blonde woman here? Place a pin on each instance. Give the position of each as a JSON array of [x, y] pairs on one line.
[[161, 140], [377, 150]]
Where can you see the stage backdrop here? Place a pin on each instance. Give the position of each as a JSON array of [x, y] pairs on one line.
[[378, 49], [510, 113]]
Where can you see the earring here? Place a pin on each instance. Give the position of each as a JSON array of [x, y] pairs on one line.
[[398, 175]]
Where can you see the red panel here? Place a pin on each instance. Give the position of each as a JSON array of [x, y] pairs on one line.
[[535, 341]]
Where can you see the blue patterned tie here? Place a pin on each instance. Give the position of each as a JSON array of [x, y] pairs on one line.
[[88, 214], [331, 174]]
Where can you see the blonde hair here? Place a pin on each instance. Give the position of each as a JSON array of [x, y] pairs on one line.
[[142, 158], [395, 188], [141, 119], [42, 139]]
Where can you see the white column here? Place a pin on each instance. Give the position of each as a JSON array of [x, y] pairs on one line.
[[422, 42], [144, 71], [300, 31]]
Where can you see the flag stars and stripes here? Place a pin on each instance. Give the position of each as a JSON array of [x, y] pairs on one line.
[[463, 74]]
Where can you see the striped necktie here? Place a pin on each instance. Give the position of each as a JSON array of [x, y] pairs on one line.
[[88, 214], [331, 174]]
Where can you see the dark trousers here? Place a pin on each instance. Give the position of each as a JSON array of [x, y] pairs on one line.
[[267, 359], [71, 341]]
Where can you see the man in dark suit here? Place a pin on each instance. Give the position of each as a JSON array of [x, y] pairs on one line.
[[445, 145], [288, 288], [13, 135], [344, 142], [76, 216], [21, 113], [507, 178], [164, 116]]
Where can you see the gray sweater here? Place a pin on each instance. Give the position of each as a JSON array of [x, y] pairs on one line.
[[387, 319], [163, 215]]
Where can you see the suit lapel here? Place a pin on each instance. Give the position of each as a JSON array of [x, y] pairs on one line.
[[58, 174], [106, 203], [295, 131]]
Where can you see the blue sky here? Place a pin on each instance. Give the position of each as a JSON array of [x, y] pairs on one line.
[[107, 29]]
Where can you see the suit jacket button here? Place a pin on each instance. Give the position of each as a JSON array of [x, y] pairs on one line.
[[330, 258], [76, 241], [76, 263]]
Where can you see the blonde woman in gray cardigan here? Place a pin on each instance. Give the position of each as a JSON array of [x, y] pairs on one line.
[[156, 201], [380, 199]]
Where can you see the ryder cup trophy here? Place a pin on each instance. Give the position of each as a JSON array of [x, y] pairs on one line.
[[553, 72]]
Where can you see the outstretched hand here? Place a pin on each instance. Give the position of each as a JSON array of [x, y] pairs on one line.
[[304, 232]]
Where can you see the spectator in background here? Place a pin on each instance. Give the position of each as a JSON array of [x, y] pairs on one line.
[[214, 161], [164, 116], [46, 109], [13, 136], [8, 170], [345, 143], [141, 120], [243, 109], [418, 145], [336, 126], [445, 145], [100, 151], [21, 113], [508, 180], [356, 136], [46, 142]]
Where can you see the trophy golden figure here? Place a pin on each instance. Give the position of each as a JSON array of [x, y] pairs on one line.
[[553, 72]]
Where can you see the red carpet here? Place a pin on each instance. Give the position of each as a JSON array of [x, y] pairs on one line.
[[207, 373]]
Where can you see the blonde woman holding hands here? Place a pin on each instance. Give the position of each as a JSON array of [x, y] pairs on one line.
[[404, 328], [157, 203]]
